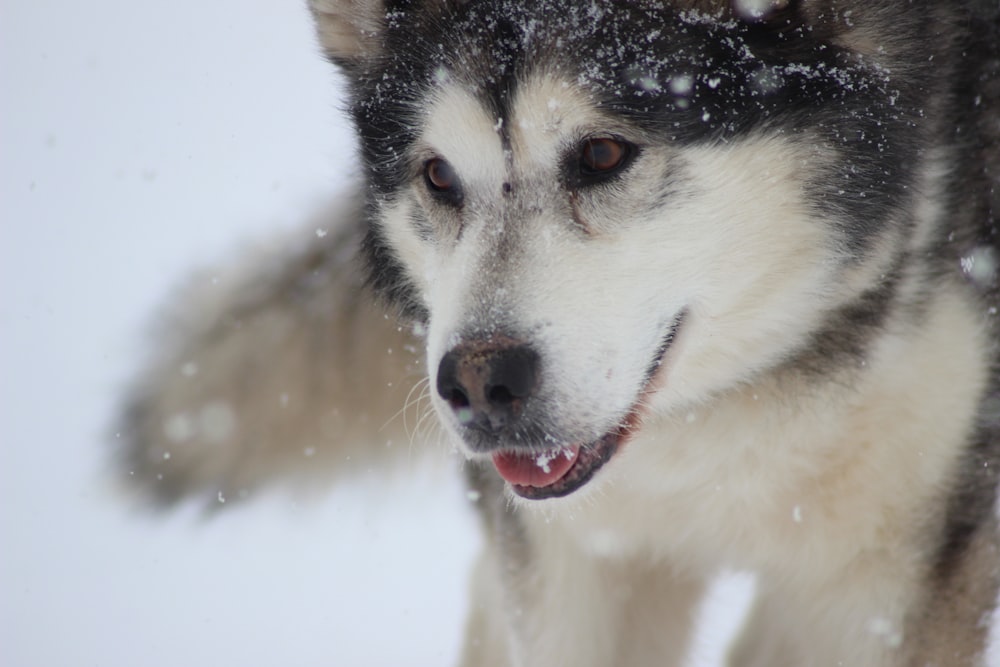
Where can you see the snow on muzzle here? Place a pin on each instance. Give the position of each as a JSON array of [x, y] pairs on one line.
[[487, 384], [555, 472]]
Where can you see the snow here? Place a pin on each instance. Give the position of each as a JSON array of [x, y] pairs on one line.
[[543, 459], [140, 142]]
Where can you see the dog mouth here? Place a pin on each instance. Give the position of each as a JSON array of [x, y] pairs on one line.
[[559, 471]]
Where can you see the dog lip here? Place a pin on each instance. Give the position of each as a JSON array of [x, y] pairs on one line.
[[591, 457], [589, 460], [537, 470]]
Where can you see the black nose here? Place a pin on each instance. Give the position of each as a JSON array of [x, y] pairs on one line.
[[488, 383]]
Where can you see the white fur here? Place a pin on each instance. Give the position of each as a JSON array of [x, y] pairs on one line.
[[830, 484], [643, 264], [738, 472]]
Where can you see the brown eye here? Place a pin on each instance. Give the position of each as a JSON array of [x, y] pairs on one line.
[[439, 175], [602, 156]]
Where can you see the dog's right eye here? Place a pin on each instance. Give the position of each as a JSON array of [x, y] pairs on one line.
[[599, 159], [442, 180], [440, 175], [602, 156]]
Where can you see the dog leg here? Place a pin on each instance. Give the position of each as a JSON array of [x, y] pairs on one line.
[[561, 604], [486, 628], [762, 641], [954, 629], [278, 368], [856, 618], [593, 612], [659, 616]]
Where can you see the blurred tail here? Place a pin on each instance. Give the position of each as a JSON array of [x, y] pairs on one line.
[[281, 367]]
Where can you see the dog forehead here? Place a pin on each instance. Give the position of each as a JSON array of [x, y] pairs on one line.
[[463, 129], [547, 112]]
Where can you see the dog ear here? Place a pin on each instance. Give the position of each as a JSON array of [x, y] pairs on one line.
[[349, 31]]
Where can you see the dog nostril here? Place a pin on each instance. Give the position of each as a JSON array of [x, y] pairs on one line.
[[513, 375], [458, 399], [500, 395], [448, 385], [486, 386]]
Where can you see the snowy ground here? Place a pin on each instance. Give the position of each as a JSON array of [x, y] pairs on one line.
[[137, 141]]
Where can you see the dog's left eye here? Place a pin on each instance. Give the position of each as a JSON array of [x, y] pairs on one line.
[[440, 175], [599, 159], [442, 181], [600, 156]]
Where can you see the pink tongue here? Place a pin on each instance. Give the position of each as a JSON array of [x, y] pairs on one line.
[[536, 470]]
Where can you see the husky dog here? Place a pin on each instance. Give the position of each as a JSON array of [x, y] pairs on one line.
[[695, 285]]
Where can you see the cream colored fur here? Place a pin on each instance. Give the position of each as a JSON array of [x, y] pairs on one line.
[[280, 367], [743, 459]]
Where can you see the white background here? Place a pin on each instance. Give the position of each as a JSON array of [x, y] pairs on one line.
[[139, 140]]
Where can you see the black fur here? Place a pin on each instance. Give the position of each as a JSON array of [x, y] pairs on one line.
[[676, 77], [976, 136]]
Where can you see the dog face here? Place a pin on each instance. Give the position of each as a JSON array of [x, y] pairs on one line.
[[605, 212]]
